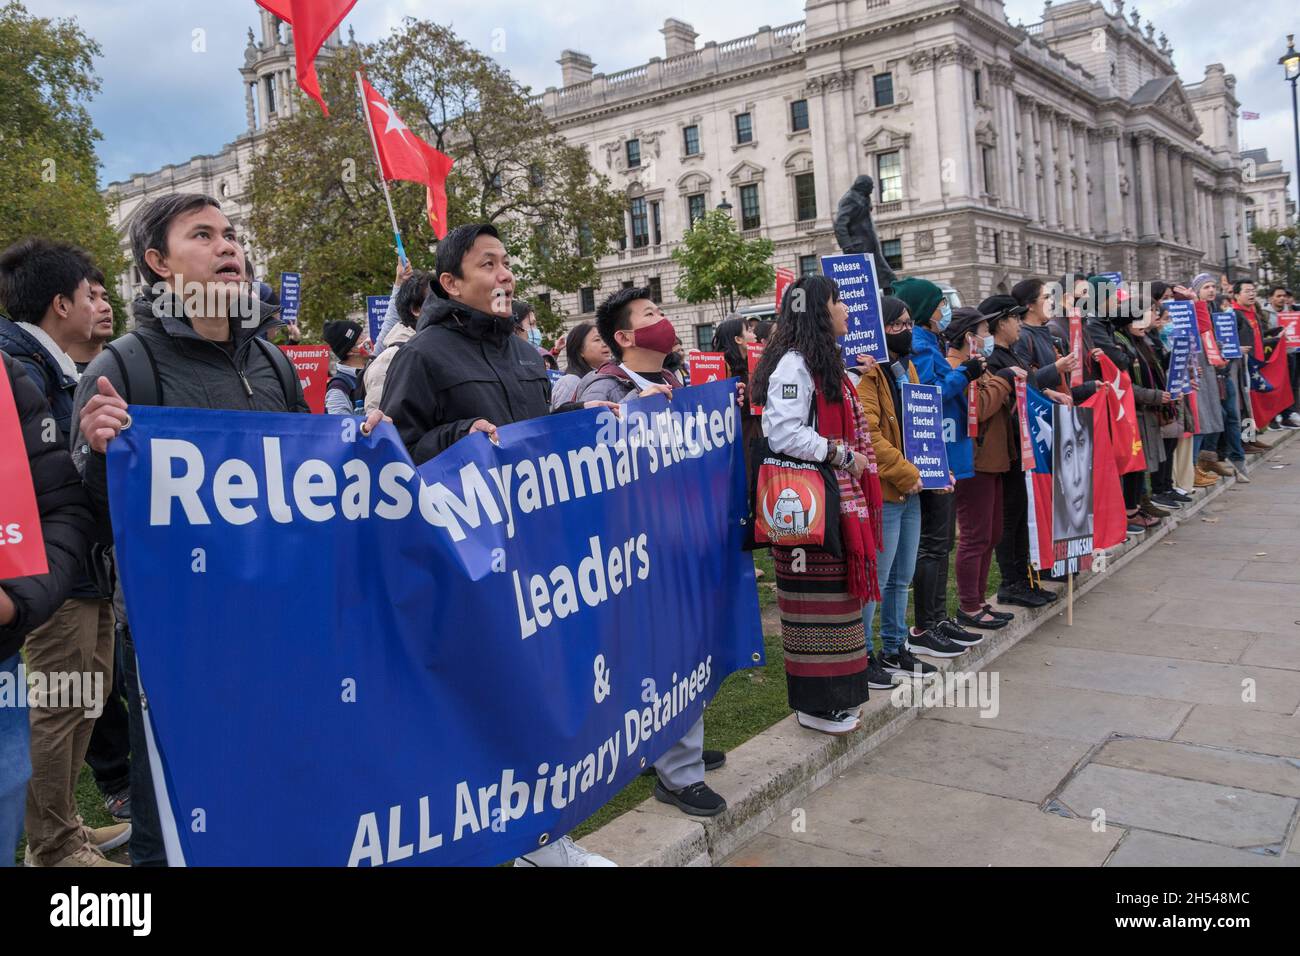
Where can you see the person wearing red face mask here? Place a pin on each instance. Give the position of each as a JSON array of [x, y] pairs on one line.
[[639, 337]]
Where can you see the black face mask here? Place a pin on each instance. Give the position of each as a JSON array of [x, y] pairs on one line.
[[899, 343]]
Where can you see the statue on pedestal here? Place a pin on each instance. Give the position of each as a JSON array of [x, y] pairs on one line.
[[855, 232]]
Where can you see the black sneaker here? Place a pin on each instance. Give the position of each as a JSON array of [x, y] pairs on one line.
[[1046, 594], [932, 644], [1179, 496], [907, 664], [983, 619], [713, 759], [1166, 500], [958, 634], [877, 677], [1020, 594], [697, 799]]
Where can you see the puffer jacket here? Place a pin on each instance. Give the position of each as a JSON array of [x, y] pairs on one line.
[[610, 383], [66, 523], [377, 370], [43, 370]]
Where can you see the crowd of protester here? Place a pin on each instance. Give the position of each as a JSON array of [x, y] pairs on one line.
[[457, 354]]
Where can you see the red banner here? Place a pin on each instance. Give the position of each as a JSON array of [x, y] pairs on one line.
[[783, 279], [707, 367], [1022, 412], [754, 352], [313, 365], [1291, 322], [1212, 353], [22, 548], [1076, 347]]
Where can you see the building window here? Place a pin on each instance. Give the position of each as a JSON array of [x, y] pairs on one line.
[[805, 197], [656, 289], [893, 250], [979, 85], [627, 283], [1250, 221], [494, 185], [990, 179], [587, 300], [691, 140], [997, 247], [694, 208], [883, 85], [585, 241], [744, 128], [270, 93], [633, 153], [656, 222], [889, 176], [808, 266], [704, 337], [535, 176], [640, 227], [799, 115], [749, 217], [545, 300]]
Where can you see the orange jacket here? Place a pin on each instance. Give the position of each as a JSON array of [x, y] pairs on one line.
[[897, 474]]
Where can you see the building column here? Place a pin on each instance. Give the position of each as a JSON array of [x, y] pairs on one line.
[[1178, 214], [1166, 226], [1029, 154], [1147, 177], [1189, 200], [1064, 141], [1081, 204], [1110, 141], [1047, 126], [1005, 106]]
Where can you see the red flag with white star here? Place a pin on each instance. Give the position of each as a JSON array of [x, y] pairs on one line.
[[1129, 454], [403, 155], [313, 21]]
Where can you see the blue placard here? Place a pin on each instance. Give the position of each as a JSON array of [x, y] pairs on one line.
[[855, 274], [1225, 331], [1180, 367], [554, 375], [486, 653], [290, 296], [1182, 322], [923, 433], [376, 309], [1114, 278]]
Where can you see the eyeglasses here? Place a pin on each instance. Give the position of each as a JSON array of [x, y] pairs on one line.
[[899, 326]]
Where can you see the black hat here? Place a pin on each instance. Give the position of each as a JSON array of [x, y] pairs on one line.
[[964, 321], [341, 337], [999, 307]]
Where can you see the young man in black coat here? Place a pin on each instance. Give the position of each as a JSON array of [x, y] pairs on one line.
[[26, 603]]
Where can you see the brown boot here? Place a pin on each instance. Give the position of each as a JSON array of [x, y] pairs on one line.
[[1204, 479]]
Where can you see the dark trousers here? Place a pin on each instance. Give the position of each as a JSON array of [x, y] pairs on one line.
[[930, 579], [1013, 548], [109, 754], [146, 828], [1162, 482], [1134, 483]]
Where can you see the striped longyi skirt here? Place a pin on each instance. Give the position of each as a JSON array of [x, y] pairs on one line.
[[821, 631]]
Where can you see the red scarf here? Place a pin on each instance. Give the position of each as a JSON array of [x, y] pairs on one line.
[[861, 500], [1258, 352]]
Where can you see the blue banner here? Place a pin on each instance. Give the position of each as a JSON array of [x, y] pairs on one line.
[[923, 433], [475, 655], [290, 295], [1180, 366], [1225, 331], [376, 308], [855, 274], [1040, 428]]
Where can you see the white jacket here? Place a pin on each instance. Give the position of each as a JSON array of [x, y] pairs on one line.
[[377, 371], [785, 413]]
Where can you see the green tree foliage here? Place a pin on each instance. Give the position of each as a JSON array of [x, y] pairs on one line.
[[720, 266], [318, 207], [48, 166], [1279, 260]]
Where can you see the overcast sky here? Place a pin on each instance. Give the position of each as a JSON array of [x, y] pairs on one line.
[[161, 102]]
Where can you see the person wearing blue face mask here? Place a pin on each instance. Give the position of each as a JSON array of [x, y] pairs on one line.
[[526, 323], [934, 630]]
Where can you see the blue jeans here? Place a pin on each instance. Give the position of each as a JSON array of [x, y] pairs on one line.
[[1230, 443], [895, 564], [15, 761]]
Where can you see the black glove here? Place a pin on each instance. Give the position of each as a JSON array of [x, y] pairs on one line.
[[973, 368]]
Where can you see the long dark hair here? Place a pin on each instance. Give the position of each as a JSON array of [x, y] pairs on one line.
[[724, 341], [577, 338], [804, 326]]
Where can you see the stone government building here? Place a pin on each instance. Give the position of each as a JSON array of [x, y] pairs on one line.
[[998, 150]]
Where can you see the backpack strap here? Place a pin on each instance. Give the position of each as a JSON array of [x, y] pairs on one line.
[[139, 369], [284, 371]]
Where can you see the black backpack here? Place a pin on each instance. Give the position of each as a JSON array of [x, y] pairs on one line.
[[144, 387]]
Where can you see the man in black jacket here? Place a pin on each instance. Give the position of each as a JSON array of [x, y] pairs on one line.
[[26, 603], [465, 370]]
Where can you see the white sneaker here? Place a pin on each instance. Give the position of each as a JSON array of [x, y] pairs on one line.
[[837, 724], [563, 852], [1183, 491], [1293, 419]]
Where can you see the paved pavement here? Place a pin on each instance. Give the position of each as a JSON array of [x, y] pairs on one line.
[[1162, 729]]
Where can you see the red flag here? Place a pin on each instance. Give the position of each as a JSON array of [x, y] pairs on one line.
[[1127, 433], [1109, 518], [312, 21], [1038, 485], [1268, 405], [403, 155], [22, 548]]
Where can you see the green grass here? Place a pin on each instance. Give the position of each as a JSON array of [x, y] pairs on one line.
[[748, 702]]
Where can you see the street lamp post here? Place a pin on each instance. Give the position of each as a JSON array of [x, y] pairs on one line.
[[724, 205], [1290, 62], [1227, 260]]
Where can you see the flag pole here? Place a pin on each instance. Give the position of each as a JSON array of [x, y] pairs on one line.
[[379, 165]]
